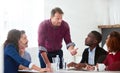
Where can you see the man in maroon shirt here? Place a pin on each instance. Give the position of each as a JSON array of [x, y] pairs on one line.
[[51, 32]]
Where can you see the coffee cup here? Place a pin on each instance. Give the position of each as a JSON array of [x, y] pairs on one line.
[[101, 67]]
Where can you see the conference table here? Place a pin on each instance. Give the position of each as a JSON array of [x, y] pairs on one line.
[[67, 71]]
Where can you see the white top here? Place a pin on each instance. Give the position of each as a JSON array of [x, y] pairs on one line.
[[91, 56]]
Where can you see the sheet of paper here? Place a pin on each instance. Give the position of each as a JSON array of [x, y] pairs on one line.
[[28, 71]]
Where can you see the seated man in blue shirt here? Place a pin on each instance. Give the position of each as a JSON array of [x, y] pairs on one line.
[[12, 57], [92, 53], [24, 54]]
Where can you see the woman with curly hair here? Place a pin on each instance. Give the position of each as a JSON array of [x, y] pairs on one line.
[[112, 60]]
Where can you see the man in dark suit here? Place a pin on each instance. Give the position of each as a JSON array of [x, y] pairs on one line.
[[91, 54]]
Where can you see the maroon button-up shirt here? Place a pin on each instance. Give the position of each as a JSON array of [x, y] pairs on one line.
[[50, 37]]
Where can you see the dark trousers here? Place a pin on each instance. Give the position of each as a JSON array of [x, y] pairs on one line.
[[50, 55]]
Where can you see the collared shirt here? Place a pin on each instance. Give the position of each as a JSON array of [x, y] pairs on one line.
[[113, 53], [50, 38], [12, 59], [27, 56], [91, 57], [112, 61]]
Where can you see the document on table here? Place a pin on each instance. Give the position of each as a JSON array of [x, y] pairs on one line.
[[28, 71], [74, 69]]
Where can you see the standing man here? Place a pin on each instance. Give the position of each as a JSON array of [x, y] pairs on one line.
[[51, 33]]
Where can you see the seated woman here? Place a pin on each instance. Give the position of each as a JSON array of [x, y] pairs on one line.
[[12, 57], [112, 60]]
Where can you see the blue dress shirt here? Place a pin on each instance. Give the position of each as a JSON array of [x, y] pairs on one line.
[[12, 59]]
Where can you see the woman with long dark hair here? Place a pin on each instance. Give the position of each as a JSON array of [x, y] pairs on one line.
[[12, 58]]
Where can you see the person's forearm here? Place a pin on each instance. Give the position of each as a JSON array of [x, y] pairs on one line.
[[71, 48], [45, 58], [21, 67], [36, 68]]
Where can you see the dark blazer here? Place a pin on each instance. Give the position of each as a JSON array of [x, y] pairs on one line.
[[12, 59], [98, 52]]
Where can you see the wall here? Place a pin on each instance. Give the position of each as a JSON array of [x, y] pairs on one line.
[[83, 16], [23, 15], [114, 11]]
